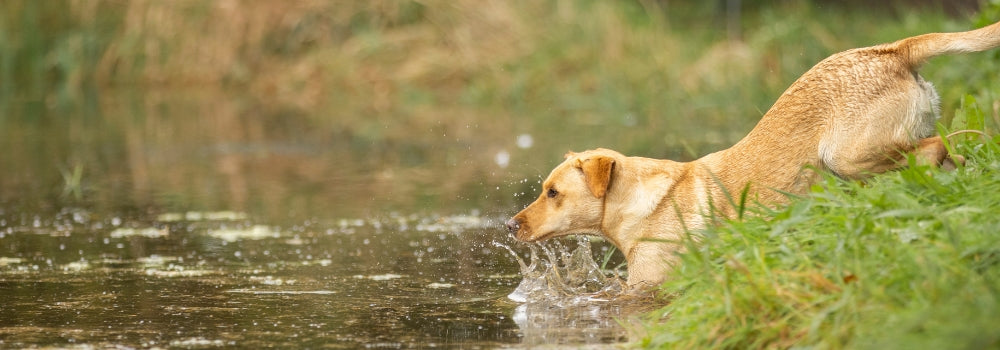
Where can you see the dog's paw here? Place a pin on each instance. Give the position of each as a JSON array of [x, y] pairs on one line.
[[952, 162]]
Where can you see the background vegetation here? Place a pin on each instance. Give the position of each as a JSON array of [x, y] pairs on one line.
[[656, 66]]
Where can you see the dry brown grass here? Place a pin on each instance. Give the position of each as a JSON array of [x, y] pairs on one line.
[[305, 52]]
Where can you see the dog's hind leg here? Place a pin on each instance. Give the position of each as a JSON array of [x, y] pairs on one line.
[[928, 151], [931, 151]]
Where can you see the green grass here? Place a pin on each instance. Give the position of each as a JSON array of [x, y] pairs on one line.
[[909, 259]]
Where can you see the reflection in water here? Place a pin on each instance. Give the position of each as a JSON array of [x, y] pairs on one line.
[[209, 151], [583, 323]]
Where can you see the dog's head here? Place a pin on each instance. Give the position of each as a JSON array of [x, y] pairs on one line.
[[572, 198]]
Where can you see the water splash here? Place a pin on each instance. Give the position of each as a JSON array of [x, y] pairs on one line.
[[562, 276]]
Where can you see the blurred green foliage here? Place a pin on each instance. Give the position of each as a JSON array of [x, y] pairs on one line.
[[652, 78]]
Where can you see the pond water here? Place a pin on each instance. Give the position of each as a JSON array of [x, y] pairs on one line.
[[201, 220]]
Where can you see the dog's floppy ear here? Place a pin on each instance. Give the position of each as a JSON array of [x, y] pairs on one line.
[[597, 172]]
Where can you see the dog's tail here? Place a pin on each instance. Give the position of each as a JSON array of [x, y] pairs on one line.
[[917, 50]]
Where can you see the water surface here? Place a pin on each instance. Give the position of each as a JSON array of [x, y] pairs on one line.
[[202, 220]]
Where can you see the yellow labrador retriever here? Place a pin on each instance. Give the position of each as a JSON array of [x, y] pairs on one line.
[[856, 113]]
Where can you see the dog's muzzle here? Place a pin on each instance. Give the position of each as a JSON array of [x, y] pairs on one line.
[[513, 225]]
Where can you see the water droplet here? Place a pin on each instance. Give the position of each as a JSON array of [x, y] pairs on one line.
[[525, 141], [502, 159]]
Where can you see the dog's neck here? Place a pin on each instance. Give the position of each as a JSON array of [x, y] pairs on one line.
[[655, 185]]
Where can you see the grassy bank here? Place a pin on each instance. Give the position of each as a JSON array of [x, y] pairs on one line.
[[908, 260]]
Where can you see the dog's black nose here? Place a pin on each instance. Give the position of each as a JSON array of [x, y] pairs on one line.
[[513, 225]]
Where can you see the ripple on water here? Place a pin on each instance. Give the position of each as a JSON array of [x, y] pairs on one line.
[[281, 292], [381, 277], [149, 232], [4, 261], [254, 232], [203, 216], [198, 342]]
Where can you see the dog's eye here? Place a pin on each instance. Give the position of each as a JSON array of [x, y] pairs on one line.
[[552, 193]]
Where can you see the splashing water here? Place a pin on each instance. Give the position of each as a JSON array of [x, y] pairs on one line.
[[566, 298], [563, 276]]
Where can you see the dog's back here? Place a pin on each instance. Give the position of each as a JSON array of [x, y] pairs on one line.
[[855, 113]]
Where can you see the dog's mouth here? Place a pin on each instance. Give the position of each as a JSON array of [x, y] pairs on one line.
[[524, 235], [526, 238], [523, 232]]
